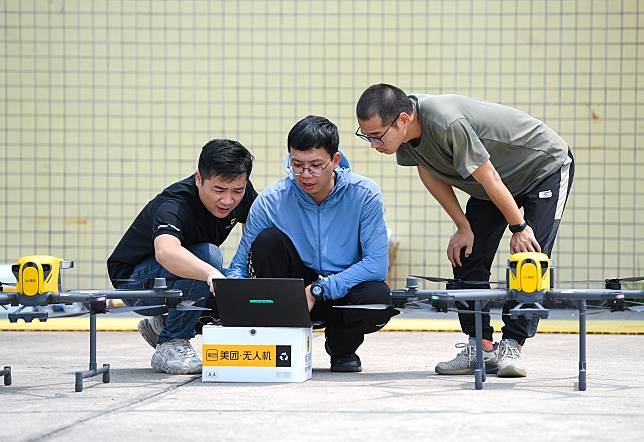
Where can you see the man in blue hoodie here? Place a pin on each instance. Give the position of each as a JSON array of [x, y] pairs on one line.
[[326, 225]]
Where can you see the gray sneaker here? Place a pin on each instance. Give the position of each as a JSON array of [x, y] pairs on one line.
[[176, 356], [510, 363], [150, 328], [465, 361]]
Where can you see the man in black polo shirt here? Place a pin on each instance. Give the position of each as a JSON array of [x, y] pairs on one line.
[[177, 236]]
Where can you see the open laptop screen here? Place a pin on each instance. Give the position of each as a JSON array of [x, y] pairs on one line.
[[262, 302]]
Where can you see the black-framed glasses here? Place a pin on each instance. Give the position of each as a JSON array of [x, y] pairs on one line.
[[313, 170], [374, 140]]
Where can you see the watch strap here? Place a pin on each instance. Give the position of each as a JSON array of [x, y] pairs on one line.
[[518, 227]]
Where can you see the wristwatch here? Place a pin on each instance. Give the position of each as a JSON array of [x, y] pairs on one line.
[[317, 290], [518, 227]]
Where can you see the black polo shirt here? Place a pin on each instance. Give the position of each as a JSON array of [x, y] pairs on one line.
[[177, 211]]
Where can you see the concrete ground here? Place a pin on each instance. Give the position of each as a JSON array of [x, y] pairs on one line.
[[397, 396]]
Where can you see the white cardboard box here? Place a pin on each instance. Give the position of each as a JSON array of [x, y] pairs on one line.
[[256, 354]]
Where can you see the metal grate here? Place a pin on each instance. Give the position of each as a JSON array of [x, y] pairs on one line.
[[106, 102]]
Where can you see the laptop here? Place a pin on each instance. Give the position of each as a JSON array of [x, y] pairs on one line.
[[262, 302]]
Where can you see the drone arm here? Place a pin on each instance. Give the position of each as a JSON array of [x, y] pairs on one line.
[[8, 298], [143, 294], [593, 294], [74, 296], [88, 295], [455, 295], [475, 295]]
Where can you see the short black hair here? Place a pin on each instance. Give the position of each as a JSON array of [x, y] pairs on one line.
[[227, 159], [384, 100], [314, 132]]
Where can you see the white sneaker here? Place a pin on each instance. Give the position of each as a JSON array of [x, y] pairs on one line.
[[510, 363], [150, 328], [176, 356], [465, 361]]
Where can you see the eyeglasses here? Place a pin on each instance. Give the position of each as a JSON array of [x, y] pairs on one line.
[[374, 140], [313, 170]]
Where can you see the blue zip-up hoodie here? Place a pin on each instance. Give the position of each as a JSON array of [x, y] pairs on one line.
[[344, 239]]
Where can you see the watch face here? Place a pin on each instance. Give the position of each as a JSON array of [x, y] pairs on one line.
[[316, 290]]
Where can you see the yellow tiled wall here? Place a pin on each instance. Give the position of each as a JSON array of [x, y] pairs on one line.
[[106, 102]]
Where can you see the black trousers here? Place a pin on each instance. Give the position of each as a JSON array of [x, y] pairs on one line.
[[273, 255], [543, 208]]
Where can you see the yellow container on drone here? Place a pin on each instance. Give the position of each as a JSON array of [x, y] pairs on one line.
[[529, 272], [38, 274]]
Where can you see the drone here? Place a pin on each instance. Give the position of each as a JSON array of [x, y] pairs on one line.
[[530, 282], [39, 284]]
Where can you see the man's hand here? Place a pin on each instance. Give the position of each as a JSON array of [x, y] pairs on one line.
[[213, 274], [310, 299], [464, 237], [524, 241]]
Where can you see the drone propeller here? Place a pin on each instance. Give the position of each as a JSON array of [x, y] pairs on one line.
[[188, 305], [190, 308], [143, 280], [184, 306], [69, 315], [363, 306], [454, 281], [126, 280], [428, 304], [607, 280], [628, 279], [134, 308], [417, 304]]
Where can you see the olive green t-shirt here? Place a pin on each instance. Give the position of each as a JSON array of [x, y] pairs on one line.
[[459, 134]]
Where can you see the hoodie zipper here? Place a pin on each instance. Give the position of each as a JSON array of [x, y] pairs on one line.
[[319, 243]]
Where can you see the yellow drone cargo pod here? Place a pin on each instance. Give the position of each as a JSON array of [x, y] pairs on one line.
[[37, 274], [529, 272]]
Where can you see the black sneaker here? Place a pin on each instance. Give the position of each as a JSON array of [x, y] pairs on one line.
[[346, 364]]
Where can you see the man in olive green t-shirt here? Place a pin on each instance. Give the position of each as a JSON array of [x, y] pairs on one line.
[[504, 159]]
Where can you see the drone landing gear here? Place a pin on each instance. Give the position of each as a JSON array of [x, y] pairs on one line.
[[36, 312], [522, 310], [479, 370], [6, 373], [93, 370], [582, 345]]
